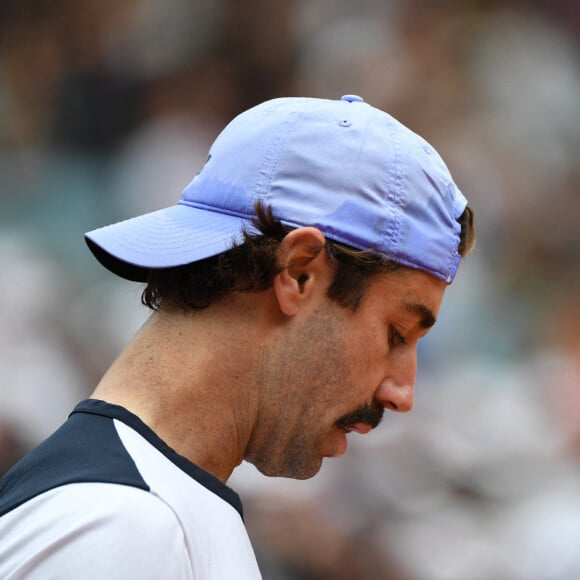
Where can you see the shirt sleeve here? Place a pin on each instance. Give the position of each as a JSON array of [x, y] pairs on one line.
[[94, 531]]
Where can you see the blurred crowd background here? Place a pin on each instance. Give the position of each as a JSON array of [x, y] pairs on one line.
[[107, 109]]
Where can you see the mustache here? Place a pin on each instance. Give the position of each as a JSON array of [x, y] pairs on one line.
[[370, 413]]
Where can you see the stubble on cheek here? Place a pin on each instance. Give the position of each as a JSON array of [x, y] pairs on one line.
[[307, 377]]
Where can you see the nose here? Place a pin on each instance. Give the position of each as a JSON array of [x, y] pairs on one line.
[[397, 390], [395, 397]]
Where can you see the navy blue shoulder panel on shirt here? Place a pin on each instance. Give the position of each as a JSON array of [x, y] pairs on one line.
[[208, 480], [86, 448]]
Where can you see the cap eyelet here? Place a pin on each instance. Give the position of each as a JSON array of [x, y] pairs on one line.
[[345, 123]]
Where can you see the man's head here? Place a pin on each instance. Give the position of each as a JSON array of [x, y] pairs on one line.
[[352, 226]]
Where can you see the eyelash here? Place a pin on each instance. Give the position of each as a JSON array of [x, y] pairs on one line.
[[396, 337]]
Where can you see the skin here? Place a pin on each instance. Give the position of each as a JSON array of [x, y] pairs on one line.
[[277, 377]]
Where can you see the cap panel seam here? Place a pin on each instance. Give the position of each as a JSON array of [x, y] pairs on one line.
[[393, 186], [271, 161]]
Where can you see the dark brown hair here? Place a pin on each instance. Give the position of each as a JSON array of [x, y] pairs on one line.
[[252, 266]]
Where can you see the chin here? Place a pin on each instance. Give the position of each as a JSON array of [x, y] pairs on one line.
[[290, 471]]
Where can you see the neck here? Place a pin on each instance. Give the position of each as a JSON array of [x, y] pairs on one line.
[[190, 377]]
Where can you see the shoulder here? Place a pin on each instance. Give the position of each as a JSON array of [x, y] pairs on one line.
[[86, 448]]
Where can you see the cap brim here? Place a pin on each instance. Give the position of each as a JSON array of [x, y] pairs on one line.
[[173, 236]]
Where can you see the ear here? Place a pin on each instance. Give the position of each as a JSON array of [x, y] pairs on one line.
[[305, 265]]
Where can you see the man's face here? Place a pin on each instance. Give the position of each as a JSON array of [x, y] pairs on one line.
[[335, 370]]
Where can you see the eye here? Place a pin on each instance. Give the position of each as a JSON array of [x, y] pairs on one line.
[[396, 337]]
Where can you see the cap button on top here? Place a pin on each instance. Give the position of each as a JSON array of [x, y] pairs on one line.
[[352, 98]]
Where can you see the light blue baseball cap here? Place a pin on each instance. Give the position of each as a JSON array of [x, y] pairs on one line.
[[343, 166]]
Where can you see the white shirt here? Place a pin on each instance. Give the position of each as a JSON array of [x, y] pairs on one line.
[[105, 498]]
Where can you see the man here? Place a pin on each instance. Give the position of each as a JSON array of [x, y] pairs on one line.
[[290, 286]]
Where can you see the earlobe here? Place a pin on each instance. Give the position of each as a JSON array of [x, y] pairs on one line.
[[303, 261]]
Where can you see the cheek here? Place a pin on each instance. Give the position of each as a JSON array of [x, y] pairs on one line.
[[367, 351], [369, 341]]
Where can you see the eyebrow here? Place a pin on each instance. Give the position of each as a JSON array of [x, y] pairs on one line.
[[428, 319]]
